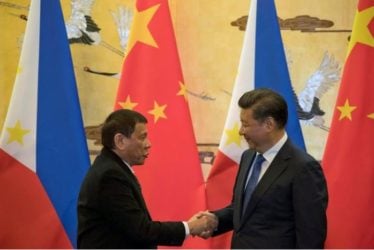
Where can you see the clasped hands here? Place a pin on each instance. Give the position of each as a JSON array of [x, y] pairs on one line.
[[203, 224]]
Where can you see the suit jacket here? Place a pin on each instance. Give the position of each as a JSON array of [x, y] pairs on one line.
[[287, 208], [112, 212]]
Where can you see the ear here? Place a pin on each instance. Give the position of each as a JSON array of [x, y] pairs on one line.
[[120, 141], [270, 123]]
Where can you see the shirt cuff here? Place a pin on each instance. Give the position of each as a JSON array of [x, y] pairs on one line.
[[187, 229]]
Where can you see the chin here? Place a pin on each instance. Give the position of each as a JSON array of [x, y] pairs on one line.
[[141, 162], [252, 147]]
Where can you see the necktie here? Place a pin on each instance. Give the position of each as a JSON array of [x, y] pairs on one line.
[[252, 182]]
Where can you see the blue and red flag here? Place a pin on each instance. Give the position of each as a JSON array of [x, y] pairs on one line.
[[43, 150], [262, 65]]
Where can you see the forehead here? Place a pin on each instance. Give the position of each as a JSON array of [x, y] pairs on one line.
[[140, 128], [246, 114]]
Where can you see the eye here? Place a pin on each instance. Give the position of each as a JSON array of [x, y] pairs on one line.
[[143, 137]]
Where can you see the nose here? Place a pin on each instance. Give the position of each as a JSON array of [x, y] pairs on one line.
[[148, 144], [241, 130]]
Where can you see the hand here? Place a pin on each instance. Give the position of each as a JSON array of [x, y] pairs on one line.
[[213, 222], [203, 224]]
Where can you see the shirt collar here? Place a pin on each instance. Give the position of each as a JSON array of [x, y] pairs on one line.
[[270, 154], [128, 165]]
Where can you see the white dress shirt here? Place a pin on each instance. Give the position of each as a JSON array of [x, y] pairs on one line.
[[269, 156]]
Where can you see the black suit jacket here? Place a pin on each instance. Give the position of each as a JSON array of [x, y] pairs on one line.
[[112, 212], [287, 208]]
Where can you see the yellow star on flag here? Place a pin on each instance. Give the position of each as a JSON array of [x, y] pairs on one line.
[[17, 133], [139, 30], [183, 90], [128, 104], [346, 110], [361, 32], [371, 116], [158, 111], [19, 69], [233, 135]]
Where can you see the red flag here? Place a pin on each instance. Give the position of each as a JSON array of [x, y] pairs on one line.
[[152, 83], [348, 160]]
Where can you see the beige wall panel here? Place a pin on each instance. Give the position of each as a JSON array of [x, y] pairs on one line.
[[209, 48]]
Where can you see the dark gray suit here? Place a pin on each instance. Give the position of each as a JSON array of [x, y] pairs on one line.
[[287, 208], [112, 212]]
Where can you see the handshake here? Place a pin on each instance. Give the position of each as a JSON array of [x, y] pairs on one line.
[[203, 224]]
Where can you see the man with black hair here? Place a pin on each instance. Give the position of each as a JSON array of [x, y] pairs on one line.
[[111, 210]]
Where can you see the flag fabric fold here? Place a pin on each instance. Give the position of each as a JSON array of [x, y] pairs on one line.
[[262, 64], [43, 150], [152, 84], [348, 160]]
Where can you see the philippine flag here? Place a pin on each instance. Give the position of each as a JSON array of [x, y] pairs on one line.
[[43, 150], [262, 65]]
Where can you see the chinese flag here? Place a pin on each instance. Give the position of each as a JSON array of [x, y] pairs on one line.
[[348, 160], [152, 84]]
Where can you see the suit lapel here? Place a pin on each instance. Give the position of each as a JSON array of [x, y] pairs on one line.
[[278, 165], [130, 176], [245, 165], [138, 188]]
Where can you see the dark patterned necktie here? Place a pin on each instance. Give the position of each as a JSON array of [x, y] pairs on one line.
[[252, 182]]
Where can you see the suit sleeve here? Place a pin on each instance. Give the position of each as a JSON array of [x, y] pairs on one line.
[[124, 210], [310, 203], [225, 220], [226, 215]]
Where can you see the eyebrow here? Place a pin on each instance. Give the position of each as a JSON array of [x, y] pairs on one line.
[[144, 133]]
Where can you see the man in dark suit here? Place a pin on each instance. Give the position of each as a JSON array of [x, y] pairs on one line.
[[280, 201], [111, 210]]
